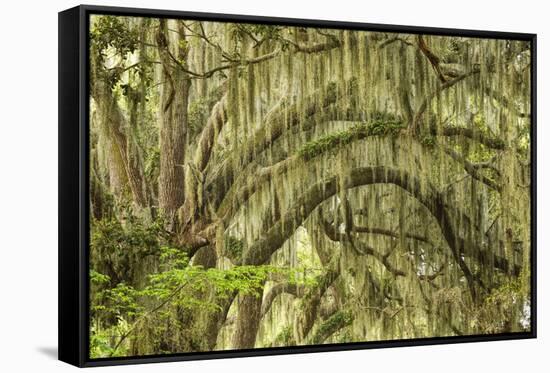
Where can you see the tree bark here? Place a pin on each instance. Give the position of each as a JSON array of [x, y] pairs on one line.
[[248, 321], [172, 122]]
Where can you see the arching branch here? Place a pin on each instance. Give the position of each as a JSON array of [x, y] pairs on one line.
[[250, 179], [207, 138], [281, 118], [473, 134], [247, 183], [275, 237], [297, 290]]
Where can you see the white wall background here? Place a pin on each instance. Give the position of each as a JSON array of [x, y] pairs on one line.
[[28, 185]]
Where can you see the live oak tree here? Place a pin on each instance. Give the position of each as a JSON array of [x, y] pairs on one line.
[[265, 186]]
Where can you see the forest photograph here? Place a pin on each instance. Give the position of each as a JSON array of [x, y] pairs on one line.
[[267, 186]]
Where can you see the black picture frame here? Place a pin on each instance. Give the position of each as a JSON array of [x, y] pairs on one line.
[[73, 184]]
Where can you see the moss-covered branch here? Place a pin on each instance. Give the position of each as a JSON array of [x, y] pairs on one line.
[[334, 323], [357, 132], [276, 122]]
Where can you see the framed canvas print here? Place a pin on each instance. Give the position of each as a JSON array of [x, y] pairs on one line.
[[237, 186]]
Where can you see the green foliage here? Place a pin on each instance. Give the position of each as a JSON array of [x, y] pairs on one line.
[[480, 125], [185, 284], [183, 46], [112, 310], [115, 245], [117, 253], [111, 36], [178, 285], [113, 32], [381, 128], [124, 300], [100, 343], [338, 139], [112, 303], [233, 247], [98, 284], [98, 278]]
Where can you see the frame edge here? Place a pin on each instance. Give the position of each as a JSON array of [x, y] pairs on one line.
[[69, 249]]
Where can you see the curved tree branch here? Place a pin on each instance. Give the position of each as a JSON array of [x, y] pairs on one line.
[[473, 134], [262, 249], [283, 117], [297, 290], [334, 323], [207, 138]]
